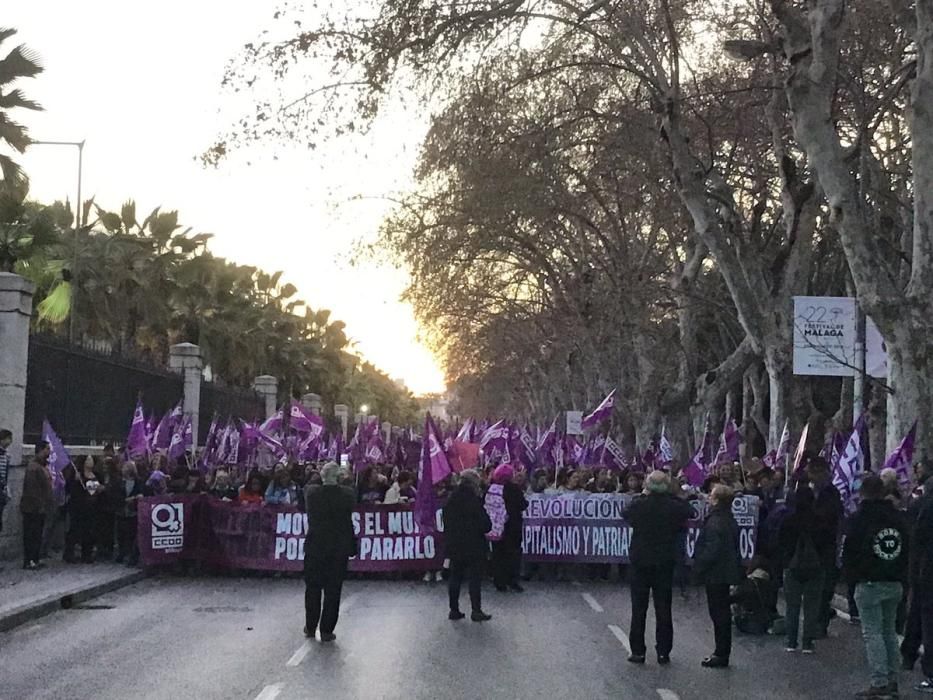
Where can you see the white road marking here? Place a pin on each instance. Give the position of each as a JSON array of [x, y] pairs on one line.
[[593, 603], [621, 636], [300, 655], [667, 694], [270, 692]]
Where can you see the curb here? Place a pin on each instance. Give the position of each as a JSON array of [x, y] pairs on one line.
[[41, 608]]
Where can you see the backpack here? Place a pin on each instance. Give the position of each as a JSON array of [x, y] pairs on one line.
[[805, 563]]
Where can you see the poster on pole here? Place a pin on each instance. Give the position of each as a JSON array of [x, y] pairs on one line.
[[824, 336], [574, 420], [876, 352]]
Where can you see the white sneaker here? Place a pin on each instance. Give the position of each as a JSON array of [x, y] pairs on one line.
[[428, 577]]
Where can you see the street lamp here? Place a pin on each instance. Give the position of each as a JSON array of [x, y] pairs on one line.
[[78, 224], [364, 409]]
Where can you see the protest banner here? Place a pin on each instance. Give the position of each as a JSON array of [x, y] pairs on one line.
[[563, 528]]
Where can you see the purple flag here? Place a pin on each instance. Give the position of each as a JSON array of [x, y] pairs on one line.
[[136, 444], [434, 468], [273, 424], [303, 421], [697, 469], [728, 444], [902, 458], [58, 460], [665, 456], [799, 464], [181, 440], [546, 445], [849, 467], [206, 458], [613, 456], [467, 432], [495, 438], [162, 436], [601, 413]]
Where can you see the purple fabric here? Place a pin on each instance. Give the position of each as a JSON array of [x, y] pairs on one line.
[[849, 467], [303, 421], [613, 457], [901, 459], [467, 432], [434, 468], [729, 444], [495, 439], [136, 444], [181, 439], [58, 460], [273, 424], [600, 413], [697, 469], [162, 437], [799, 462]]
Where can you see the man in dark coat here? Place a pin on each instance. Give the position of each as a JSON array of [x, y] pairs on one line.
[[507, 552], [36, 503], [465, 526], [921, 573], [657, 521], [913, 629], [328, 546], [828, 511], [718, 565]]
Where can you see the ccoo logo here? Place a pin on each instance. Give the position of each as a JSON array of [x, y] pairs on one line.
[[168, 526]]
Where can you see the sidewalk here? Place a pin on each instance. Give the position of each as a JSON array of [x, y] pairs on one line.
[[27, 595]]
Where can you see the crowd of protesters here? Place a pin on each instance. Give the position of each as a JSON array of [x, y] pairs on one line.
[[886, 563]]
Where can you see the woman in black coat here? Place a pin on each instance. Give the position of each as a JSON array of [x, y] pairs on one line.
[[465, 526], [507, 552], [718, 564]]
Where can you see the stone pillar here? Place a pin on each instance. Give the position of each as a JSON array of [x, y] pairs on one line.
[[268, 388], [342, 412], [15, 311], [387, 431], [312, 402], [186, 359]]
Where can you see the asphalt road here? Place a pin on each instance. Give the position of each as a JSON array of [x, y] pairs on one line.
[[178, 638]]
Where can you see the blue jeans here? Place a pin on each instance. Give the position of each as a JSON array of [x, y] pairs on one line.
[[809, 593], [877, 603]]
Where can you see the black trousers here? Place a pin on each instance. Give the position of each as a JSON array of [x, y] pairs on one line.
[[472, 571], [830, 579], [33, 526], [126, 539], [81, 532], [926, 631], [655, 581], [506, 563], [720, 612], [323, 584]]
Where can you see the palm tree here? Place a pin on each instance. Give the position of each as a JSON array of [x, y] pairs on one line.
[[19, 63]]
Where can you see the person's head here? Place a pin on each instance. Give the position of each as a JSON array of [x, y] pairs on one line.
[[405, 478], [658, 482], [520, 478], [923, 470], [108, 450], [818, 472], [254, 485], [540, 482], [330, 474], [503, 474], [766, 481], [130, 473], [726, 473], [43, 450], [6, 438], [602, 477], [872, 488], [470, 478], [633, 483], [573, 481], [89, 463], [157, 482], [221, 479], [314, 478], [889, 477], [710, 482], [721, 496], [282, 476]]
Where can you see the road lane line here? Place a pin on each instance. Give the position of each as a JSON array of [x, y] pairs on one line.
[[593, 603], [270, 692], [667, 694], [621, 636], [300, 655]]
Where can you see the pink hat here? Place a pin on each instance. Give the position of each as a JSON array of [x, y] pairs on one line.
[[503, 474]]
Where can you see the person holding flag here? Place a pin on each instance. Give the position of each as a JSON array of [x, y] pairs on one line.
[[35, 504]]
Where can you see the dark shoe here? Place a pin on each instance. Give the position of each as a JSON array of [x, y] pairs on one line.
[[70, 559], [516, 588], [808, 648], [663, 659], [502, 589], [119, 559], [480, 616], [309, 635], [636, 659], [925, 686], [455, 615], [328, 636], [873, 692], [31, 566], [714, 662]]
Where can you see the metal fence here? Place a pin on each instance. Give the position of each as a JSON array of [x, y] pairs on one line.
[[88, 395]]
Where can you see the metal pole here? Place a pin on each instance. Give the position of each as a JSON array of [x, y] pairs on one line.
[[858, 381], [74, 253]]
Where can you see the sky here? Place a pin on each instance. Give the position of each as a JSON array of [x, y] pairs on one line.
[[140, 82]]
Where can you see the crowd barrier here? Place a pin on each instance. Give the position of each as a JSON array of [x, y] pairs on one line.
[[557, 528]]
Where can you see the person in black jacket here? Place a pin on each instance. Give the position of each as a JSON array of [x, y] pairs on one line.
[[913, 627], [657, 520], [875, 559], [465, 526], [803, 570], [718, 564], [921, 574], [828, 510], [129, 490], [507, 552], [328, 546]]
